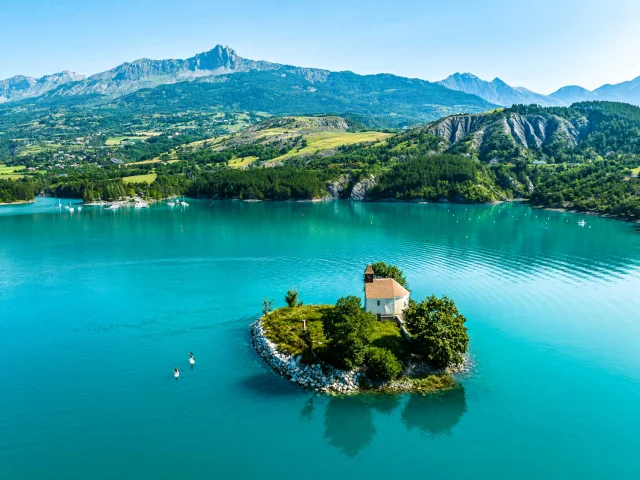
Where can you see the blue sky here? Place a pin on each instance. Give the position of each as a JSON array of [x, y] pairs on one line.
[[542, 45]]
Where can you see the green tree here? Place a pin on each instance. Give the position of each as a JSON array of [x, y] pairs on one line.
[[349, 330], [438, 330], [267, 305], [292, 297], [382, 270], [382, 364]]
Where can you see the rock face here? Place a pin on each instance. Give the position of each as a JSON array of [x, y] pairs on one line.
[[331, 380], [529, 131], [360, 189], [337, 187]]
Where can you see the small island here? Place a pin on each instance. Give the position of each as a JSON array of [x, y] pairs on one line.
[[392, 345]]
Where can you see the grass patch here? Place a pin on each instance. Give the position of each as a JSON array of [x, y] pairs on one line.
[[5, 170], [424, 385], [284, 326], [113, 141], [241, 162], [636, 171], [148, 178], [321, 141]]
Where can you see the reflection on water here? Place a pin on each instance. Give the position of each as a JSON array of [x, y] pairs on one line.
[[437, 414], [349, 423], [309, 408]]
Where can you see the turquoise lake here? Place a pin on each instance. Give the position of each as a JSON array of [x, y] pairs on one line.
[[98, 307]]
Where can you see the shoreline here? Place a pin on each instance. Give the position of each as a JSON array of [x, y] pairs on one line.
[[418, 201], [19, 202]]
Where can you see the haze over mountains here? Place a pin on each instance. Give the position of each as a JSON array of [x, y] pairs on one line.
[[500, 93], [221, 77]]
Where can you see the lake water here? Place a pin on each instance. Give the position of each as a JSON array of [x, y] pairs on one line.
[[98, 307]]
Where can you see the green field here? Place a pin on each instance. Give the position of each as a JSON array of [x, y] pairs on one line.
[[4, 169], [241, 162], [113, 141], [9, 173], [321, 141], [35, 149], [636, 171], [148, 178]]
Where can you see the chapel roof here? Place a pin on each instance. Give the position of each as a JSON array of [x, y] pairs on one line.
[[384, 288]]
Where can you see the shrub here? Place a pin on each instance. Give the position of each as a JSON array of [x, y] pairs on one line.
[[382, 364]]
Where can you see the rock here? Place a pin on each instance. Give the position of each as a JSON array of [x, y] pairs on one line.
[[337, 187], [360, 189]]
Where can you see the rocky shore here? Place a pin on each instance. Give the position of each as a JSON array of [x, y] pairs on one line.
[[329, 380]]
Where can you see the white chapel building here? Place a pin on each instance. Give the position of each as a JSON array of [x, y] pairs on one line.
[[384, 296]]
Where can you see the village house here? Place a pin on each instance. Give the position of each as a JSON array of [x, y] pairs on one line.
[[384, 296]]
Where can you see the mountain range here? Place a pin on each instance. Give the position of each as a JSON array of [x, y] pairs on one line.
[[221, 78], [500, 93]]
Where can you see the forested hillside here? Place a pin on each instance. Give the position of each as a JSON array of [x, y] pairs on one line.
[[586, 157]]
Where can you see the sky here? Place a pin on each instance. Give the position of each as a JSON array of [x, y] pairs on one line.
[[541, 45]]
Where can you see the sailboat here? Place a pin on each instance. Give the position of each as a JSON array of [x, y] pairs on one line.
[[59, 207], [70, 208]]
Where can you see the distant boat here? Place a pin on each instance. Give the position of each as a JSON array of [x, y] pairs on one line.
[[192, 359], [113, 206], [184, 204], [59, 207], [141, 205], [176, 372], [171, 204], [70, 208], [79, 208], [582, 223]]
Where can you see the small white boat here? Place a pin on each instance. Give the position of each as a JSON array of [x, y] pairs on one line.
[[176, 372], [192, 359], [71, 209], [184, 204], [79, 208], [171, 204], [115, 206], [141, 205], [582, 223], [59, 207]]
